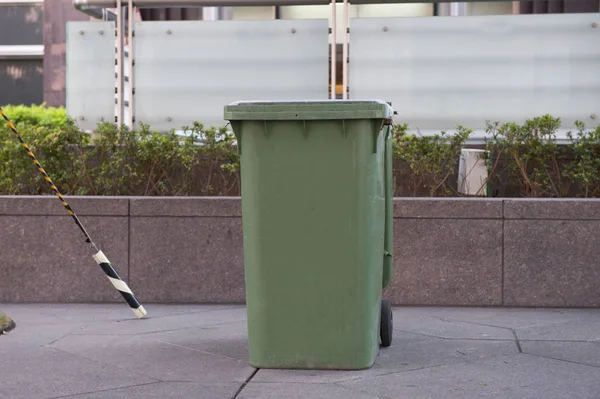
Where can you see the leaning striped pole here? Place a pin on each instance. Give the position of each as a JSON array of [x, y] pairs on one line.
[[98, 256]]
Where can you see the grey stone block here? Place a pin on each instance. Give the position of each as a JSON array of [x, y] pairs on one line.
[[304, 391], [157, 360], [228, 340], [59, 374], [442, 327], [507, 317], [47, 205], [187, 259], [34, 328], [585, 328], [577, 352], [399, 358], [48, 260], [90, 312], [447, 262], [514, 376], [32, 314], [402, 340], [551, 263], [448, 208], [159, 323], [187, 206], [550, 208], [168, 390]]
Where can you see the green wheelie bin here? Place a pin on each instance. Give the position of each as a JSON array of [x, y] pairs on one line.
[[317, 228]]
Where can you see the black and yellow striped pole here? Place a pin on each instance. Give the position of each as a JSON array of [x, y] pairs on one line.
[[98, 256]]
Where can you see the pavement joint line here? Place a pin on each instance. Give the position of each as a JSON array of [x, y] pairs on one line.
[[419, 333], [241, 388], [457, 338], [575, 341], [181, 314], [58, 314], [509, 328], [485, 325], [365, 392], [450, 363], [105, 364], [201, 351], [164, 331], [49, 345], [517, 341], [105, 390], [562, 360], [474, 339]]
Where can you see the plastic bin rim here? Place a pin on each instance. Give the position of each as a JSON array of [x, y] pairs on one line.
[[308, 110]]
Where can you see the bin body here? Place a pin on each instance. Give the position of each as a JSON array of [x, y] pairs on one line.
[[314, 188]]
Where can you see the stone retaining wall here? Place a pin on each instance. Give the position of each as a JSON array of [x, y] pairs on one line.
[[475, 252]]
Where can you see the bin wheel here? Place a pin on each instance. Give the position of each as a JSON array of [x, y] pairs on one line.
[[387, 323]]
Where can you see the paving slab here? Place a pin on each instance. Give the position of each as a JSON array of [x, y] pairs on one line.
[[40, 372], [156, 323], [201, 351], [404, 356], [301, 391], [166, 390], [103, 312], [578, 352], [159, 360], [497, 316], [441, 327], [582, 329], [520, 376], [227, 340]]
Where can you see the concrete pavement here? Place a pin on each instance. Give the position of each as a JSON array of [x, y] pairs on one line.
[[200, 351]]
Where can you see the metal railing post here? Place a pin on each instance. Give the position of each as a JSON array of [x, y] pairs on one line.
[[345, 52], [333, 49], [130, 27], [120, 69]]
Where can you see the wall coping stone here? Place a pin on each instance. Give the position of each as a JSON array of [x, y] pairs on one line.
[[447, 208], [404, 208], [49, 205], [186, 206], [552, 208]]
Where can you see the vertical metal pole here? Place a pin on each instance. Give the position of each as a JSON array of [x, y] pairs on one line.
[[345, 53], [516, 7], [333, 49], [120, 69], [130, 24], [458, 9], [210, 13]]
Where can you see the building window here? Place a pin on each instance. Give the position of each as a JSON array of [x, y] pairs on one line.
[[21, 52]]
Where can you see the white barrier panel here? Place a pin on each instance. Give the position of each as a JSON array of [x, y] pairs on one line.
[[472, 172], [90, 73], [442, 71], [188, 71]]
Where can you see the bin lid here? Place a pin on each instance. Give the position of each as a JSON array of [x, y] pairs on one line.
[[308, 110]]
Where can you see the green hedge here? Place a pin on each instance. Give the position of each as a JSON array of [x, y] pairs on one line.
[[37, 115], [115, 161], [525, 159]]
